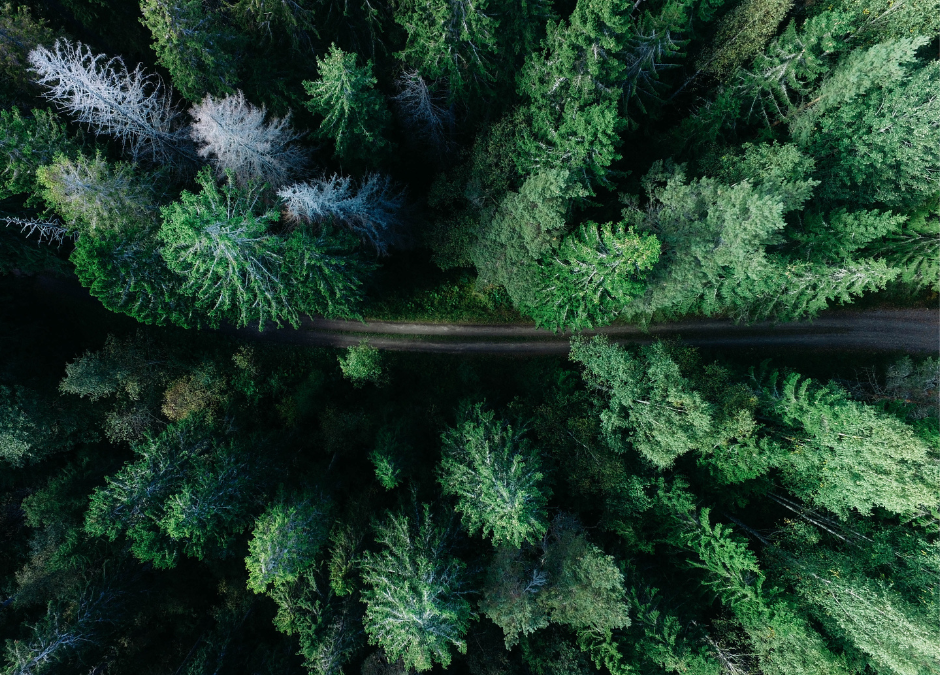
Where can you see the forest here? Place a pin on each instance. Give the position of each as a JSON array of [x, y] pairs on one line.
[[182, 179]]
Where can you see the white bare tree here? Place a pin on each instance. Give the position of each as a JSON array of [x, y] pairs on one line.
[[133, 106], [421, 112], [371, 209], [48, 231], [233, 133]]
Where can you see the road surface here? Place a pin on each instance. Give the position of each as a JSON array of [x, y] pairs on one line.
[[901, 330]]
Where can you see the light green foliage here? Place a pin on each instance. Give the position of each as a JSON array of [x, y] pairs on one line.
[[362, 365], [354, 115], [844, 455], [494, 474], [894, 636], [449, 40], [415, 609], [28, 143], [742, 35], [193, 44], [129, 367], [286, 540], [651, 407], [572, 583], [874, 121], [93, 195], [591, 276]]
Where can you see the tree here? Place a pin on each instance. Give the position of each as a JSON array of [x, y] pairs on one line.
[[234, 134], [354, 114], [93, 195], [570, 583], [852, 456], [193, 46], [22, 32], [33, 427], [881, 98], [449, 40], [423, 111], [415, 609], [742, 34], [285, 542], [29, 143], [132, 106], [363, 364], [370, 209], [494, 474], [591, 276], [649, 407]]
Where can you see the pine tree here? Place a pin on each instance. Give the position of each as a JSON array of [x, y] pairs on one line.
[[650, 406], [22, 33], [852, 457], [371, 210], [451, 41], [234, 134], [591, 276], [193, 45], [354, 115], [93, 195], [494, 474], [415, 609], [28, 143], [132, 106]]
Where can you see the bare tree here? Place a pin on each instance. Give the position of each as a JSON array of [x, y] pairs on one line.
[[52, 232], [233, 133], [372, 210], [421, 112], [132, 106]]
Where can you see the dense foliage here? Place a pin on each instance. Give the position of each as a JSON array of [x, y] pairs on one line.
[[177, 497]]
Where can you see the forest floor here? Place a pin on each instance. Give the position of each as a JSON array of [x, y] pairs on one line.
[[912, 330]]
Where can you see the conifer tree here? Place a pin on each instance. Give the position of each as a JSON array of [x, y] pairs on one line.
[[415, 609], [494, 474], [591, 276], [193, 45], [354, 115], [234, 134], [28, 143], [370, 209], [450, 40], [132, 106]]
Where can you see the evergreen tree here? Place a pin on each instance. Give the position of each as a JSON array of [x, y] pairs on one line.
[[592, 275], [450, 40], [132, 106], [233, 133], [853, 456], [354, 115], [415, 609], [371, 210], [94, 195], [28, 143], [285, 542], [494, 474], [193, 44]]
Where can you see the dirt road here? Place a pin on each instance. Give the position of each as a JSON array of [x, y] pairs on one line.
[[909, 330], [903, 330]]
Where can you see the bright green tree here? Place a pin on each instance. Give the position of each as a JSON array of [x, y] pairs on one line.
[[354, 114], [415, 609], [591, 276], [285, 542], [363, 364], [494, 474], [29, 143]]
